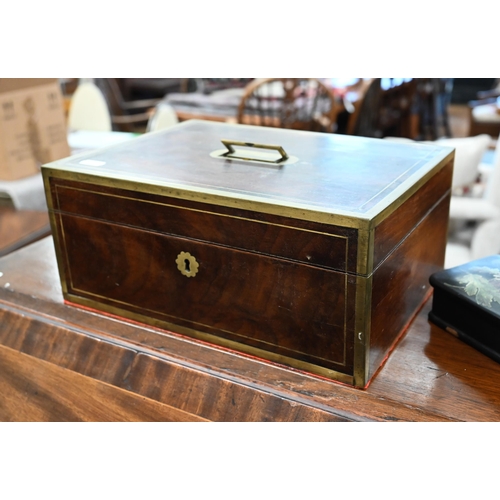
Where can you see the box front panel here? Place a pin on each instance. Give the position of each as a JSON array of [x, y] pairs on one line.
[[289, 309], [277, 300]]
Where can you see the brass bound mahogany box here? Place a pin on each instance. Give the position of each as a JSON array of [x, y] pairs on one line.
[[314, 252]]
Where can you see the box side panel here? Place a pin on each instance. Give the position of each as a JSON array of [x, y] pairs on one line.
[[401, 283], [402, 221]]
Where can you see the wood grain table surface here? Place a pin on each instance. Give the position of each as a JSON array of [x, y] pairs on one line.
[[62, 363]]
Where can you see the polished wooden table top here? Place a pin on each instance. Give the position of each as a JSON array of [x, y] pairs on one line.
[[59, 362]]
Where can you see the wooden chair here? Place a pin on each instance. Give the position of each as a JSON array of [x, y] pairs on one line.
[[433, 98], [484, 116], [387, 109], [484, 111], [126, 116], [293, 103]]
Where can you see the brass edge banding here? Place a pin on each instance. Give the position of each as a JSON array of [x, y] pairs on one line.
[[229, 216], [207, 337], [55, 235], [362, 331], [64, 258], [365, 220], [253, 203], [97, 304], [365, 252], [402, 193]]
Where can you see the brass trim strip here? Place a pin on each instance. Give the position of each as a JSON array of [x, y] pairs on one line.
[[196, 210], [365, 252], [211, 196], [99, 305], [362, 331], [58, 246], [65, 280], [402, 193], [296, 210]]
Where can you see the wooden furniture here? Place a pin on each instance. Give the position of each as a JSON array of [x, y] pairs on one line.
[[222, 105], [294, 103], [133, 89], [484, 117], [62, 363], [185, 113], [219, 106], [433, 98], [126, 116], [387, 109], [484, 111], [21, 227]]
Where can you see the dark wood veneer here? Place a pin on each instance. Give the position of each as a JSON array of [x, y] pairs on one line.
[[406, 274], [283, 307], [402, 221], [312, 243]]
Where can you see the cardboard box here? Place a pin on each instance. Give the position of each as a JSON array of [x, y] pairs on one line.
[[32, 126]]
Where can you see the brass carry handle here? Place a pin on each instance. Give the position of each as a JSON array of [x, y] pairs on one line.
[[231, 151]]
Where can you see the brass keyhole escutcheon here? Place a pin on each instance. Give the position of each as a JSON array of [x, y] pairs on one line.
[[187, 264]]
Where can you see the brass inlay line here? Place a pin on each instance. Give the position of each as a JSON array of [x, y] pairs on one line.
[[195, 210], [208, 337], [362, 330], [93, 294], [346, 238], [394, 181], [398, 196], [180, 191], [202, 324]]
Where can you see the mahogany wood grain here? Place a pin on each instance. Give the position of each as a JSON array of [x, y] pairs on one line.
[[301, 241], [21, 227], [27, 388], [403, 220], [430, 375], [282, 307], [405, 273]]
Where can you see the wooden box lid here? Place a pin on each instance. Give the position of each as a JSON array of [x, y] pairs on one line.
[[327, 177]]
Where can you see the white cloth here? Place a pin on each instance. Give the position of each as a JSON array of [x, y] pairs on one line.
[[26, 194]]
